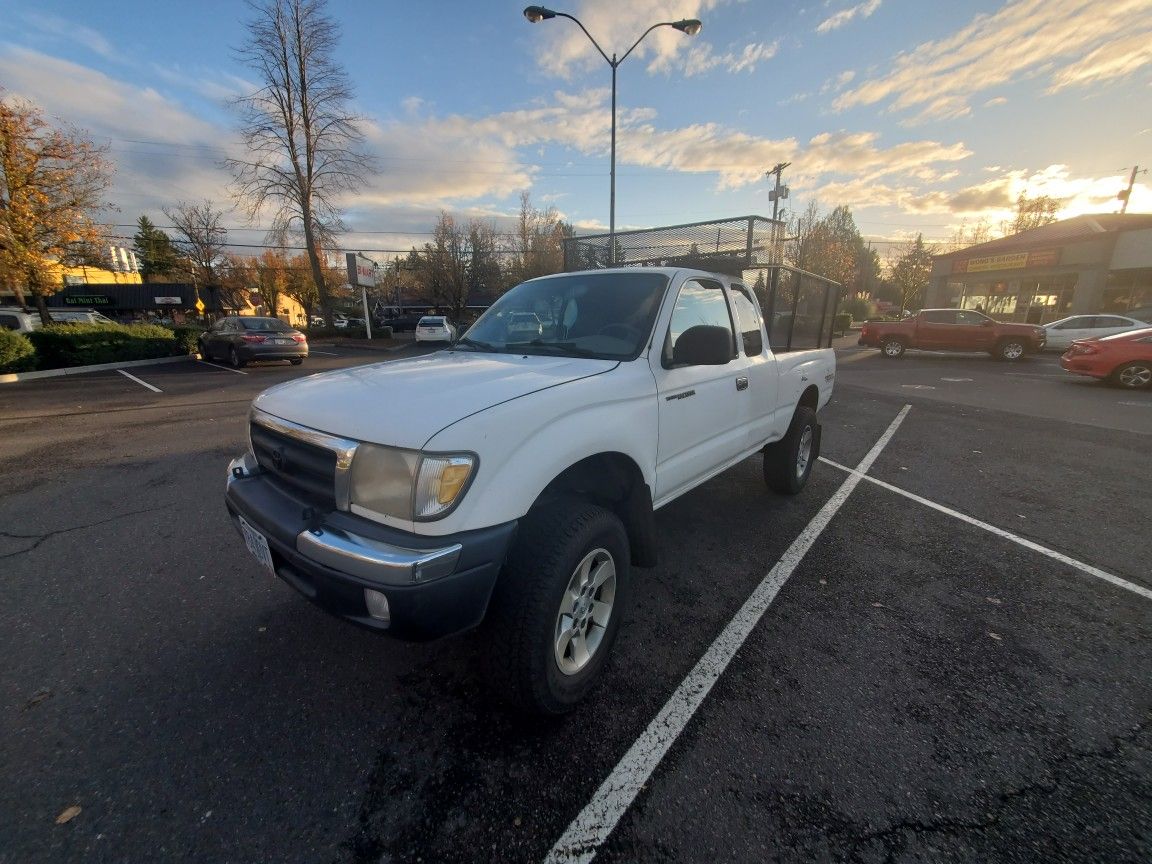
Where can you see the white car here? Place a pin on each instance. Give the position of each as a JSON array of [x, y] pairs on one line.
[[1064, 332], [524, 326], [434, 328]]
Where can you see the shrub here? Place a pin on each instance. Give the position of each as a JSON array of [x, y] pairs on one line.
[[842, 322], [62, 345], [16, 353], [382, 332], [187, 339], [858, 308]]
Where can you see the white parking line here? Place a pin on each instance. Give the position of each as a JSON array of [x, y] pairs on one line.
[[1000, 532], [599, 817], [218, 366], [329, 353], [138, 381]]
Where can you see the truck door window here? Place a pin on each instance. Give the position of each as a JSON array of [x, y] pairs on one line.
[[747, 321], [700, 302], [940, 316], [972, 319]]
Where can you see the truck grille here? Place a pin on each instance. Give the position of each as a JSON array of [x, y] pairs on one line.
[[302, 467]]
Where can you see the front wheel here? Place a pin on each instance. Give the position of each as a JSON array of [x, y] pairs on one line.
[[557, 605], [788, 462], [1011, 349], [893, 348], [1133, 376], [204, 355]]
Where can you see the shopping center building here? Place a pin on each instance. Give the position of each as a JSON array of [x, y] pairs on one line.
[[1084, 265]]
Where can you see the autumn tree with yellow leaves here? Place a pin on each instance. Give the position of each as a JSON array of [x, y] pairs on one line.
[[51, 184]]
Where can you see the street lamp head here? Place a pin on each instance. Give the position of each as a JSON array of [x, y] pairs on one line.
[[689, 26], [539, 13]]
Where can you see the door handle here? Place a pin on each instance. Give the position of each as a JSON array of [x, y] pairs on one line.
[[741, 383]]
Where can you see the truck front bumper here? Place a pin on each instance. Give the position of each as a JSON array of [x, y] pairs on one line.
[[434, 586]]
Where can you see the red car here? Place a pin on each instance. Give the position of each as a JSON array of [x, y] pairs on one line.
[[1125, 358]]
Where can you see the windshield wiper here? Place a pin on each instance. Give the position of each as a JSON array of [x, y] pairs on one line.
[[473, 344], [561, 347]]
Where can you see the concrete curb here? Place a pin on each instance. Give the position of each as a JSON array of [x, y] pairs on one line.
[[14, 377]]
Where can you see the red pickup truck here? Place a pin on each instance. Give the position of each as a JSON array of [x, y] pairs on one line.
[[953, 330]]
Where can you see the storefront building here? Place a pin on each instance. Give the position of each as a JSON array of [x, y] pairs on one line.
[[1084, 265]]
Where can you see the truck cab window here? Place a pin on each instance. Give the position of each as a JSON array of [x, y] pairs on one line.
[[699, 303], [747, 321]]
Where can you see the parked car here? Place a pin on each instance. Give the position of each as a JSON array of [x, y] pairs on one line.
[[79, 316], [953, 330], [524, 327], [1123, 358], [516, 485], [16, 318], [240, 339], [402, 323], [1064, 332], [434, 328]]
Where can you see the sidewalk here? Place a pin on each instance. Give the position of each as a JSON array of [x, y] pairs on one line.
[[396, 343]]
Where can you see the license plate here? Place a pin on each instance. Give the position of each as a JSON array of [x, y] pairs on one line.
[[257, 545], [281, 341]]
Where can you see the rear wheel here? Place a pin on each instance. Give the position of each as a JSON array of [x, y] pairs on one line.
[[296, 361], [788, 462], [893, 348], [1010, 349], [234, 358], [557, 606], [1133, 376]]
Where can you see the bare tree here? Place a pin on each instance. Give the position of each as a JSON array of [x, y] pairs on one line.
[[1033, 212], [200, 239], [538, 243], [911, 270], [302, 140]]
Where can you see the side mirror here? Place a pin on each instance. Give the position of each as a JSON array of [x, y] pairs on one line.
[[703, 345]]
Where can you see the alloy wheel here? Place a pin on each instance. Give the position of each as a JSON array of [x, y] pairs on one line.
[[585, 610]]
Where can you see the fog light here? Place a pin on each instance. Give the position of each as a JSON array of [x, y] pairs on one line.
[[377, 605]]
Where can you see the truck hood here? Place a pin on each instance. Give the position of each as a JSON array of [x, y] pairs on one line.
[[405, 402]]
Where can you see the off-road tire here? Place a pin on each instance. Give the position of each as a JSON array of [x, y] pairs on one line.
[[520, 626], [783, 471]]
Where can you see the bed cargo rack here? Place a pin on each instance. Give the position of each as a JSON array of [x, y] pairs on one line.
[[799, 307]]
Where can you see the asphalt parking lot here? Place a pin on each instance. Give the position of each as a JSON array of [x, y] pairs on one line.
[[958, 667]]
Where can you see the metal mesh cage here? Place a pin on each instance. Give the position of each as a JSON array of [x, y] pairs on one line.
[[721, 245]]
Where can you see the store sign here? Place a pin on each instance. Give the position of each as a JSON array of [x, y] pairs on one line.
[[88, 300], [1009, 261], [361, 271], [168, 301]]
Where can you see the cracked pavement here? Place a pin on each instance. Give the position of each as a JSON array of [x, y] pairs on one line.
[[919, 690]]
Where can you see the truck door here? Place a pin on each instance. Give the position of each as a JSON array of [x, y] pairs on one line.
[[702, 426], [975, 331], [762, 403], [935, 329]]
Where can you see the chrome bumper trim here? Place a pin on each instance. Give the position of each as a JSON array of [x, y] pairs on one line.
[[375, 560]]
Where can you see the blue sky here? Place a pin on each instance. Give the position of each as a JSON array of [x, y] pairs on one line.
[[920, 117]]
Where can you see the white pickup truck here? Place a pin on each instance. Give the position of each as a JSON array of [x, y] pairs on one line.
[[511, 479]]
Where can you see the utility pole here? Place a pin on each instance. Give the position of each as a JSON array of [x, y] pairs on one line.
[[774, 195], [1127, 193]]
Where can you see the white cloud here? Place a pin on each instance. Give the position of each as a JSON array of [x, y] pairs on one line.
[[1069, 42], [862, 10], [994, 101], [701, 58], [69, 30]]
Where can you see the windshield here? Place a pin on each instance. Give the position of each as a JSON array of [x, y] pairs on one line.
[[273, 324], [602, 315]]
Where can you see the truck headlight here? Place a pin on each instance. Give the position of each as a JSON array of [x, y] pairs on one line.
[[407, 484]]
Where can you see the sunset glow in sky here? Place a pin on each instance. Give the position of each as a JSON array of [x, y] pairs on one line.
[[920, 117]]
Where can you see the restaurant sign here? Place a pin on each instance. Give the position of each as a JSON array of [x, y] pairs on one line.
[[1008, 261], [88, 300]]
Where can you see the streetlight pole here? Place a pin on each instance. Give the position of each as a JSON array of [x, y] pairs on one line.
[[687, 26]]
